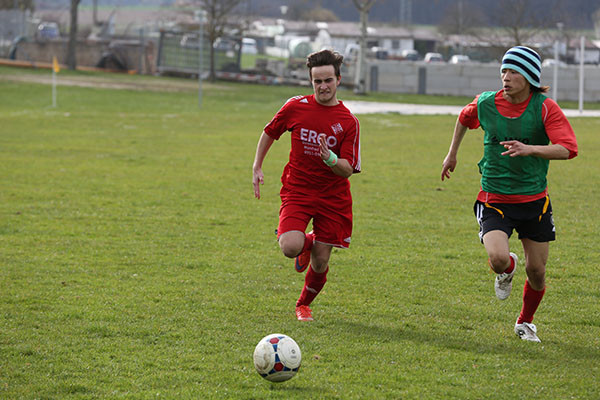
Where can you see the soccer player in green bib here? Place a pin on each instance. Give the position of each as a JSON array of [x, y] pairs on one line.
[[523, 131]]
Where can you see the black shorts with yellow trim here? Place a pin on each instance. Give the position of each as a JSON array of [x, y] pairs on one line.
[[532, 220]]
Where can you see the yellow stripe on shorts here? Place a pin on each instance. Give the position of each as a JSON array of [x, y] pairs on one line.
[[499, 211], [545, 208]]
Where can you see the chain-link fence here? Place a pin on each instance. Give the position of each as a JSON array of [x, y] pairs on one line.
[[13, 25], [179, 53]]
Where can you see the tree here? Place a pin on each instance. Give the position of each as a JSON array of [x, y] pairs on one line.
[[18, 4], [72, 46], [216, 20], [520, 21], [461, 18], [596, 19], [363, 7], [95, 13], [318, 14]]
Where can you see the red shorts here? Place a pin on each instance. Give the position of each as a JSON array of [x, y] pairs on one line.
[[332, 216]]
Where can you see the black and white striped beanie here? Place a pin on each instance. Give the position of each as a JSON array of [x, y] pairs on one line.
[[525, 61]]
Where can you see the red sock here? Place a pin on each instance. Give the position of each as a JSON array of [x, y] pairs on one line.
[[511, 267], [531, 301], [508, 270], [309, 240], [313, 283]]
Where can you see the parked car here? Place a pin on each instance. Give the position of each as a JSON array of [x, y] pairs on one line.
[[47, 30], [433, 58], [459, 59], [226, 45], [351, 52], [409, 55], [189, 40], [249, 46], [379, 53], [549, 62]]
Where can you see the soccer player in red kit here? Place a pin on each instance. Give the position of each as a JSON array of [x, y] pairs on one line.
[[325, 152]]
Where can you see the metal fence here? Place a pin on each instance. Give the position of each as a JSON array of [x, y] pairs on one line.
[[13, 24], [179, 53]]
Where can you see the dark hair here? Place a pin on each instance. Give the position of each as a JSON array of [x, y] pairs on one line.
[[541, 89], [325, 57]]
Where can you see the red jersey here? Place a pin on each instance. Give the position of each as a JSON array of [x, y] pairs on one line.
[[557, 128], [307, 120]]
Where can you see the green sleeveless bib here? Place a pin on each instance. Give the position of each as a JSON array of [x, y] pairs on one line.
[[505, 174]]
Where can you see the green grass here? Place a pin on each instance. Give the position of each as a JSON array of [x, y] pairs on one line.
[[136, 264], [248, 61]]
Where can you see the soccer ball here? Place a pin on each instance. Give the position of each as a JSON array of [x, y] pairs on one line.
[[277, 357]]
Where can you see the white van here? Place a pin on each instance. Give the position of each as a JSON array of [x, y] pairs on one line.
[[433, 58], [249, 46]]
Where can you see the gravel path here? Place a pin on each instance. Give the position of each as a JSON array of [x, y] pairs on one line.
[[366, 107]]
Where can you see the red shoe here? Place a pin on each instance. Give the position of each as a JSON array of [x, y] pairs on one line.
[[303, 260], [304, 313]]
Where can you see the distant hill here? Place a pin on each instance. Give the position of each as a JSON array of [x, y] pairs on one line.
[[575, 14]]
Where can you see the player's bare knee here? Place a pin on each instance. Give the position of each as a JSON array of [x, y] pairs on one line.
[[319, 268], [289, 249], [291, 244], [319, 263], [499, 262], [536, 276]]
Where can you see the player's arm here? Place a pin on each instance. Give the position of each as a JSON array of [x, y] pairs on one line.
[[563, 142], [264, 144], [515, 148], [343, 168], [451, 158], [340, 166]]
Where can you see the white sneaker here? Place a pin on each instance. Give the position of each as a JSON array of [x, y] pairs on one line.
[[503, 283], [527, 331]]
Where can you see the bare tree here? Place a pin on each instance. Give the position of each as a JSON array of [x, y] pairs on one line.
[[363, 7], [217, 12], [16, 4], [95, 12], [318, 14], [520, 21], [71, 48], [461, 18], [296, 9]]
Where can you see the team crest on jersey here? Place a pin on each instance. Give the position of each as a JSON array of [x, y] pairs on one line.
[[337, 128]]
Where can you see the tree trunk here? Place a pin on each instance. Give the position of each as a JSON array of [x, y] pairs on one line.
[[360, 84], [95, 12], [71, 49], [212, 76], [361, 63]]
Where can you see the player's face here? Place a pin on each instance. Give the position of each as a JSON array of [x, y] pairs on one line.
[[515, 85], [325, 84]]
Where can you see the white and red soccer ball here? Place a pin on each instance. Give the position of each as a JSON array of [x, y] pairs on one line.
[[277, 357]]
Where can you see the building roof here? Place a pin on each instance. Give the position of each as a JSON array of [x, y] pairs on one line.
[[351, 29]]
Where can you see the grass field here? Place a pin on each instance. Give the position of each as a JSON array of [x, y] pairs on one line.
[[135, 262]]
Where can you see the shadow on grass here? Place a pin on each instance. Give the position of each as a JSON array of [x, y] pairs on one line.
[[479, 345], [285, 390]]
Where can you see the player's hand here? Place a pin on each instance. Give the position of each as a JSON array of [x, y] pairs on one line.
[[448, 166], [257, 180], [323, 149], [515, 148]]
